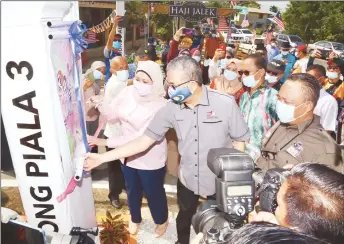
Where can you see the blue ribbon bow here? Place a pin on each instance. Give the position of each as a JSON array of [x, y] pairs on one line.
[[76, 31], [79, 44]]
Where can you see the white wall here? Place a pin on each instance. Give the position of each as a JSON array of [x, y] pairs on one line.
[[252, 18]]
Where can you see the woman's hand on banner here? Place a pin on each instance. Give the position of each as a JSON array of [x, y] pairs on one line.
[[92, 160], [92, 141]]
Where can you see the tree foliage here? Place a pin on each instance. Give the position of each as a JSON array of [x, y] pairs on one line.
[[164, 23], [226, 4], [273, 9], [249, 4], [315, 21]]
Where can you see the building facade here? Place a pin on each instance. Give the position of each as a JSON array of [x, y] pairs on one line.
[[256, 17]]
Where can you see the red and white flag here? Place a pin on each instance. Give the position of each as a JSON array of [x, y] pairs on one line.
[[91, 37], [278, 20], [223, 26]]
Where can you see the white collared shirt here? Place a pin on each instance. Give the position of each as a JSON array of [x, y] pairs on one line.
[[327, 110], [112, 89]]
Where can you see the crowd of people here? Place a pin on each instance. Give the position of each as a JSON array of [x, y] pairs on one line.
[[280, 108]]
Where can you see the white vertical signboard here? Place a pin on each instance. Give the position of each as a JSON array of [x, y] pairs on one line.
[[38, 106], [120, 11]]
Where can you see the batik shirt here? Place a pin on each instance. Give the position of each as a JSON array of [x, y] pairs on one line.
[[259, 111]]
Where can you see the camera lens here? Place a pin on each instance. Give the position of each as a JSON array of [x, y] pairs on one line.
[[213, 234]]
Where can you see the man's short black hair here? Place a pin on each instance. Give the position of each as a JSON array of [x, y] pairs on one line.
[[310, 86], [315, 201], [118, 36], [259, 60], [318, 68], [266, 233]]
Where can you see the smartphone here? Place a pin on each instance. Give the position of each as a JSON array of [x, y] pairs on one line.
[[188, 31], [323, 54], [222, 46]]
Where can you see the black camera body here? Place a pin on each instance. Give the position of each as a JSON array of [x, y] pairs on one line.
[[238, 186], [267, 185]]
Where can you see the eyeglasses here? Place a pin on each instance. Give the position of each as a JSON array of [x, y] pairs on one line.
[[272, 73], [175, 86], [245, 72]]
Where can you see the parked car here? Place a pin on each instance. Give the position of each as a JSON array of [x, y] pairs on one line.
[[249, 48], [243, 35], [293, 40], [327, 47]]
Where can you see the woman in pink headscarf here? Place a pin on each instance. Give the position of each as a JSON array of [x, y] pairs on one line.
[[229, 81], [134, 108]]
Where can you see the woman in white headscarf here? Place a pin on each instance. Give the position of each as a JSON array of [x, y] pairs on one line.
[[92, 83], [134, 108]]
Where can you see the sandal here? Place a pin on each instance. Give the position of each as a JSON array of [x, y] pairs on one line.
[[161, 229], [133, 228]]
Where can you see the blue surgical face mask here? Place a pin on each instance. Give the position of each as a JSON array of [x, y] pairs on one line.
[[250, 81], [284, 53], [332, 75], [179, 95], [97, 75], [214, 35], [116, 45], [230, 75], [154, 43], [197, 58], [271, 79], [122, 75]]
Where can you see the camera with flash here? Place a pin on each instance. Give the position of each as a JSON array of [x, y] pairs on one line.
[[235, 194]]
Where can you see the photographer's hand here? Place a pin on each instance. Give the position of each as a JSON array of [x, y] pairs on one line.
[[265, 217], [198, 239]]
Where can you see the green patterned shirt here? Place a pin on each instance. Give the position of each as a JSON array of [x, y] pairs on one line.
[[259, 111]]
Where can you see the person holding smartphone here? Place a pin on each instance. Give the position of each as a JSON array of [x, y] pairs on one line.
[[112, 47], [179, 43]]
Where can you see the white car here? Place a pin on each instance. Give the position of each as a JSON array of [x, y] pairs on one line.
[[249, 48], [242, 35], [328, 47]]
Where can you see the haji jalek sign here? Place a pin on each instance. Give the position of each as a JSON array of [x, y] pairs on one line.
[[192, 11]]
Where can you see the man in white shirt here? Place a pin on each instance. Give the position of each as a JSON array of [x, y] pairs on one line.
[[302, 59], [327, 106], [116, 83]]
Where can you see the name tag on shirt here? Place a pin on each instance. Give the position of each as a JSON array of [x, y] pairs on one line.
[[296, 149]]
